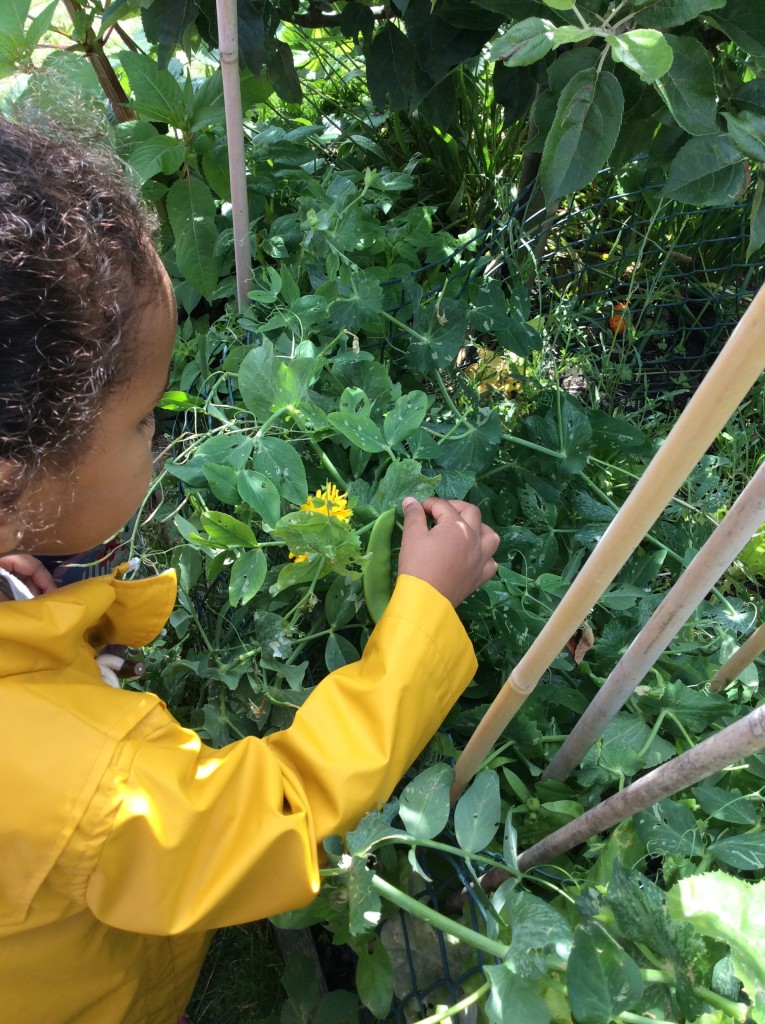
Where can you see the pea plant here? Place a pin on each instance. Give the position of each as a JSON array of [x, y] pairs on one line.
[[391, 351]]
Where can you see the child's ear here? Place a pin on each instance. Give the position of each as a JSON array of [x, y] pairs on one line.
[[10, 531]]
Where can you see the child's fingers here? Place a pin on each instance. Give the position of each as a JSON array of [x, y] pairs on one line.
[[31, 571], [441, 509], [415, 520]]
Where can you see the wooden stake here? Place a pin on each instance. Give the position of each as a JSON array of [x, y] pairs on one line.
[[732, 374], [228, 46], [734, 666], [726, 542], [712, 755]]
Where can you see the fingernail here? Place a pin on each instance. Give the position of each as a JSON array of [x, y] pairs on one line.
[[408, 501]]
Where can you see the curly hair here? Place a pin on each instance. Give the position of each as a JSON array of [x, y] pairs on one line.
[[75, 248]]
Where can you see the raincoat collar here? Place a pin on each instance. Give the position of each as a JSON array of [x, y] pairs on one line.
[[50, 631]]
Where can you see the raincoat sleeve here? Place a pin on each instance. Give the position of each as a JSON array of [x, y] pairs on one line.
[[193, 838]]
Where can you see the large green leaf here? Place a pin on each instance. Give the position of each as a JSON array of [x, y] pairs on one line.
[[165, 23], [156, 93], [390, 68], [281, 71], [670, 13], [731, 911], [744, 24], [583, 132], [191, 209], [644, 50], [148, 152], [757, 221], [524, 43], [708, 170], [269, 383], [601, 979], [747, 131], [688, 88], [13, 16]]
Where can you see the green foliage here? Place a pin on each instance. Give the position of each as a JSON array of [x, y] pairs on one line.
[[372, 284]]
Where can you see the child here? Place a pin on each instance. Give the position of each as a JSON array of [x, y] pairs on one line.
[[124, 839]]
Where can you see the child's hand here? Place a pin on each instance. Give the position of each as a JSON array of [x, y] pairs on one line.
[[30, 571], [456, 555]]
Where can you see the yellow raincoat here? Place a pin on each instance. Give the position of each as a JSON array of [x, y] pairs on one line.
[[124, 839]]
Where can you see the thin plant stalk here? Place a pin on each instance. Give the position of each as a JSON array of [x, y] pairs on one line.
[[228, 46], [726, 542], [735, 665], [732, 374], [712, 755]]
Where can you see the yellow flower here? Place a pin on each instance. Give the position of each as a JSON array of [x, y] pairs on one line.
[[327, 502]]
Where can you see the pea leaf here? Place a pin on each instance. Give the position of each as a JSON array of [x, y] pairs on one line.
[[260, 494], [514, 998], [402, 477], [725, 804], [669, 828], [746, 852], [277, 460], [247, 576], [602, 980], [478, 813], [359, 430], [536, 926], [405, 416], [374, 979], [364, 909], [583, 133], [222, 481], [424, 803], [227, 532]]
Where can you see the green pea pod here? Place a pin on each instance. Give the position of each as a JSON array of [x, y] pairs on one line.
[[376, 575]]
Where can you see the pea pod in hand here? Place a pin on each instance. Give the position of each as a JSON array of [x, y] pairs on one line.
[[376, 577]]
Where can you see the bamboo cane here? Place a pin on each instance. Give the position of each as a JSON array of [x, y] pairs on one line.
[[228, 46], [729, 538], [734, 666], [732, 374], [713, 754]]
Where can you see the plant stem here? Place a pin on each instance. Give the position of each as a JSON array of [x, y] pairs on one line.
[[738, 1011], [445, 924], [463, 1004]]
